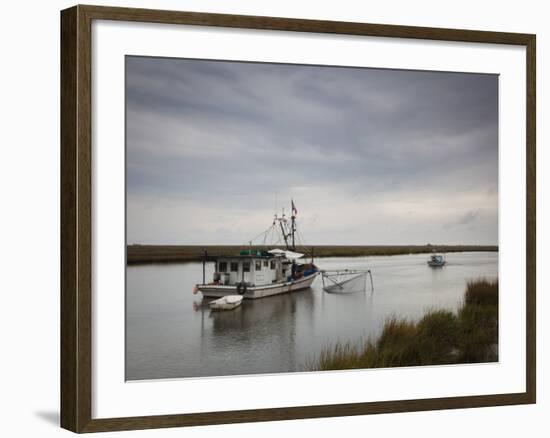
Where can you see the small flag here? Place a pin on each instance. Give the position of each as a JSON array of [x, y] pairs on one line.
[[294, 211]]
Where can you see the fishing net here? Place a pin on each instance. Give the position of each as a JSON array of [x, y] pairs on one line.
[[346, 281]]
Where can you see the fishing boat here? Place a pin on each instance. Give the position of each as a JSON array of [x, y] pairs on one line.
[[259, 273], [436, 261]]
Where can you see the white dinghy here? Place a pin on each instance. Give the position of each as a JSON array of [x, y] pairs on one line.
[[228, 302]]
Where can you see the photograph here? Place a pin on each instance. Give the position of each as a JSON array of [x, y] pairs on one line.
[[292, 218]]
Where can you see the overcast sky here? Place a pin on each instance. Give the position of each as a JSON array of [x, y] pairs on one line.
[[369, 156]]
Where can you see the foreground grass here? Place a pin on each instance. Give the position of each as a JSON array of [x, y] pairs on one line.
[[139, 254], [440, 337]]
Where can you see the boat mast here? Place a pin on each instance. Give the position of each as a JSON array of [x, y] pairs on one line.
[[283, 231], [293, 229], [293, 223], [291, 233], [204, 255]]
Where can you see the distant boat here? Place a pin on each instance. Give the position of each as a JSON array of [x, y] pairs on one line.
[[258, 273], [228, 302], [436, 261]]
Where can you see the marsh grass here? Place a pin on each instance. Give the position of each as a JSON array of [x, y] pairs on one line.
[[142, 254], [482, 292], [440, 337]]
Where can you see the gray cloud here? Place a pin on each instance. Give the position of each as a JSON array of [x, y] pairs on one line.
[[369, 155], [466, 219]]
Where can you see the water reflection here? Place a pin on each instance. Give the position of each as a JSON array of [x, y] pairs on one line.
[[172, 333]]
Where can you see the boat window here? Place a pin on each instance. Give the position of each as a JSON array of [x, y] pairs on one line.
[[272, 264], [258, 265], [222, 266], [266, 264], [246, 266], [234, 266]]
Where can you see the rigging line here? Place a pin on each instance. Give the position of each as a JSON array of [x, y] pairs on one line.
[[267, 234], [277, 233], [302, 240], [276, 236], [302, 243], [299, 238], [261, 234]]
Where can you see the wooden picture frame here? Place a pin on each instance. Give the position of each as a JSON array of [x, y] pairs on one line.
[[76, 217]]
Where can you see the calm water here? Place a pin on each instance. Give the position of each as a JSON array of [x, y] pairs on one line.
[[171, 333]]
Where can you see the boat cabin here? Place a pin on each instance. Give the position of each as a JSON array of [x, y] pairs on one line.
[[252, 269], [436, 260], [258, 268]]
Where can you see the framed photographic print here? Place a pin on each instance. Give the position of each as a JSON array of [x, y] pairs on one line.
[[270, 218]]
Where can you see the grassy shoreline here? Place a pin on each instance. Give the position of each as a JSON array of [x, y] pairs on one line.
[[440, 337], [146, 254]]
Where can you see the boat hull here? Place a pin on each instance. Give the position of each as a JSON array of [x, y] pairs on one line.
[[218, 291]]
